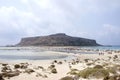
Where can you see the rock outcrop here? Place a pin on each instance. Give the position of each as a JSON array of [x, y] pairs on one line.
[[60, 39]]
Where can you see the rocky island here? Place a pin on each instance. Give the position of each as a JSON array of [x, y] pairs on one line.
[[59, 39]]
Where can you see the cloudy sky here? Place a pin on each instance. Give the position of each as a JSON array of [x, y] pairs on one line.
[[94, 19]]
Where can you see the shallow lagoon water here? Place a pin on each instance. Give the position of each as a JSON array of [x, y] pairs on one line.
[[35, 53], [14, 53], [102, 47]]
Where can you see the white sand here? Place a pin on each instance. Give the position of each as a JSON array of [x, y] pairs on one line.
[[62, 69]]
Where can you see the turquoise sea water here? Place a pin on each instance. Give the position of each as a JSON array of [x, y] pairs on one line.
[[31, 53], [103, 47], [18, 53]]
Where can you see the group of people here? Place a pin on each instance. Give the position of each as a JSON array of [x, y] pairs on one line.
[[100, 53]]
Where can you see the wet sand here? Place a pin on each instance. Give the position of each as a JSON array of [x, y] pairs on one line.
[[55, 69]]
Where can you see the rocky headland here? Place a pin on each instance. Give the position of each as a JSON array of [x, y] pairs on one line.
[[59, 39]]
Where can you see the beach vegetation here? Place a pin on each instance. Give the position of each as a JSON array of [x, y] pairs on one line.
[[112, 70], [105, 64], [73, 72], [113, 77], [98, 67], [93, 72], [117, 66]]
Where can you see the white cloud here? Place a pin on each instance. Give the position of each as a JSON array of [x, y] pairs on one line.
[[24, 1], [39, 17], [111, 29], [15, 23], [109, 35]]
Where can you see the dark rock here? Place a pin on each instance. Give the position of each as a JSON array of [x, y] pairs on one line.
[[59, 62], [60, 39], [54, 71], [86, 60], [17, 66], [5, 69], [21, 65], [10, 74], [4, 64], [115, 57], [45, 76], [55, 61], [24, 65], [40, 67], [1, 77], [51, 67], [67, 78], [29, 71]]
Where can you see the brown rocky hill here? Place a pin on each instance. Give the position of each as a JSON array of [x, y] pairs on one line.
[[59, 39]]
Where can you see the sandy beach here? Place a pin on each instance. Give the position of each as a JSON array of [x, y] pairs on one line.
[[65, 69]]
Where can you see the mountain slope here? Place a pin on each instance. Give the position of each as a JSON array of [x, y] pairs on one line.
[[59, 39]]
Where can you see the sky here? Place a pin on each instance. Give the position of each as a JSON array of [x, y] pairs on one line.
[[93, 19]]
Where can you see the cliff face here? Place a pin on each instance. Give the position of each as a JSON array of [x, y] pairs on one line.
[[57, 40]]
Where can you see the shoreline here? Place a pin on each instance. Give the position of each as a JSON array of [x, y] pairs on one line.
[[55, 69]]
